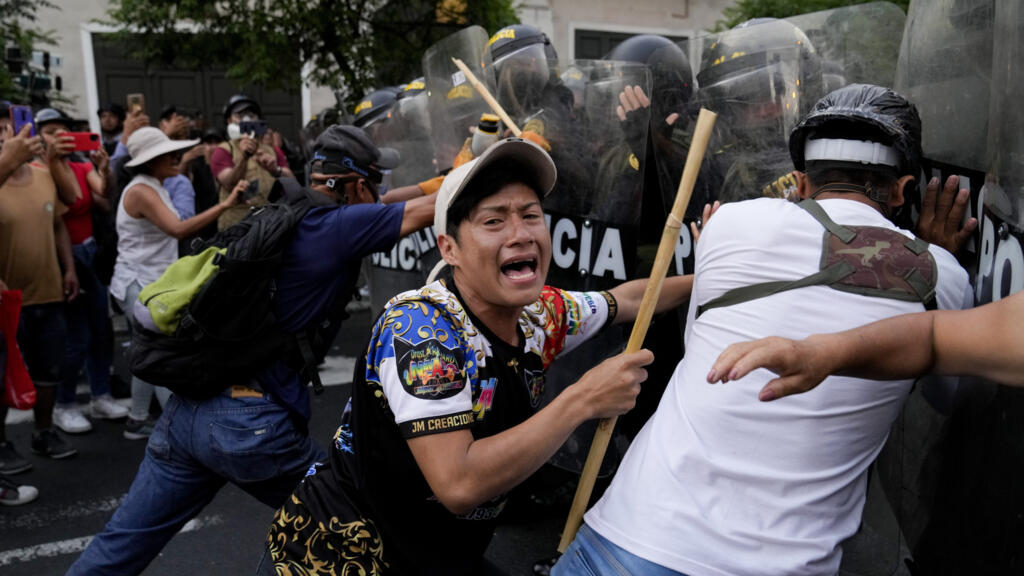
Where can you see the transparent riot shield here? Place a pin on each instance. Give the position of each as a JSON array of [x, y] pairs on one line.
[[455, 107], [945, 68], [594, 211], [759, 79], [970, 501], [930, 469], [857, 44], [406, 128]]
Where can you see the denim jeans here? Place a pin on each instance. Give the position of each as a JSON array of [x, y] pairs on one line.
[[591, 554], [197, 447], [142, 391], [89, 340]]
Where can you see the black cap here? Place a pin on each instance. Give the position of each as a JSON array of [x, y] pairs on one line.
[[168, 112], [213, 136], [354, 150], [112, 107]]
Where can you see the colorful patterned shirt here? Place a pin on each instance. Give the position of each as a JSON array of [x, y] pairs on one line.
[[430, 367]]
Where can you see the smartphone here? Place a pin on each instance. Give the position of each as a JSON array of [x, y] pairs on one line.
[[258, 127], [85, 141], [21, 115], [136, 101], [251, 191]]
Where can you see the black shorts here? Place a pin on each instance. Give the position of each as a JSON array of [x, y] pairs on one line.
[[41, 334]]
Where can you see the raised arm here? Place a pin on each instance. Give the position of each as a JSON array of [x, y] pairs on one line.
[[418, 214], [141, 201], [18, 150], [986, 342]]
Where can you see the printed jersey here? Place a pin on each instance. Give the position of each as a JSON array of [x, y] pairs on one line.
[[430, 367]]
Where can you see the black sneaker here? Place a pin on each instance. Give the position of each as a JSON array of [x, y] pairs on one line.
[[49, 443], [138, 429], [11, 462]]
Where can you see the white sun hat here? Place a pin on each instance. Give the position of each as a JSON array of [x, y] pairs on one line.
[[147, 143]]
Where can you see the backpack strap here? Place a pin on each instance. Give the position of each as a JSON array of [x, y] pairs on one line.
[[833, 273], [839, 231], [828, 276]]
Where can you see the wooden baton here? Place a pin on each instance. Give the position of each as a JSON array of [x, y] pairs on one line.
[[486, 95], [666, 250]]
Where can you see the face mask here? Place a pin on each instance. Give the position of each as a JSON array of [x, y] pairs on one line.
[[234, 131], [248, 118]]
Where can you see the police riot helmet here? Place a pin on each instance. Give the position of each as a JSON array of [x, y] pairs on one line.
[[523, 59], [373, 106], [413, 88], [861, 109], [240, 102], [518, 37], [671, 74], [767, 65]]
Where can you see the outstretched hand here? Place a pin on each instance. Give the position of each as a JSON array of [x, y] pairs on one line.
[[941, 214], [696, 227], [800, 364]]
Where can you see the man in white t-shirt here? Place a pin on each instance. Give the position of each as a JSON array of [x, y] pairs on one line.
[[719, 483]]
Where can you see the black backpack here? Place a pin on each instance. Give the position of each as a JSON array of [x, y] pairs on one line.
[[226, 333]]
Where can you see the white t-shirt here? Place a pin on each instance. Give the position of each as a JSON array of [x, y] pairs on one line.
[[144, 251], [719, 483]]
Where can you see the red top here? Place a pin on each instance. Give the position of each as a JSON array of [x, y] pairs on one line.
[[78, 218], [221, 159]]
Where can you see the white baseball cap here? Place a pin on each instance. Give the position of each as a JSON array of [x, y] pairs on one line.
[[522, 153], [147, 143]]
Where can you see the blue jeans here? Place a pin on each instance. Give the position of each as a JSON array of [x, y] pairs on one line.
[[197, 447], [591, 554], [89, 340]]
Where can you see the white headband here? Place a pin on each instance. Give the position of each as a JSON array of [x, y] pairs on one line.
[[861, 151]]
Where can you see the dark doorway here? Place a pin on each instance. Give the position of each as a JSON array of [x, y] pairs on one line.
[[203, 90]]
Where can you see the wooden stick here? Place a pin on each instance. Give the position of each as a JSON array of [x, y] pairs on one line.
[[486, 95], [666, 250]]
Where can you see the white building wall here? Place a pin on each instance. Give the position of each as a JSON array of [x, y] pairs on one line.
[[561, 18]]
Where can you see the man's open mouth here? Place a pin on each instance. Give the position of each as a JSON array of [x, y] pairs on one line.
[[520, 269]]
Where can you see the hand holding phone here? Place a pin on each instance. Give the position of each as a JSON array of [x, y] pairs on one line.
[[20, 116], [252, 128], [85, 141], [136, 102], [250, 192], [20, 148]]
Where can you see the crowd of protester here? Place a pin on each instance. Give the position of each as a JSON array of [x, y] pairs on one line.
[[83, 231]]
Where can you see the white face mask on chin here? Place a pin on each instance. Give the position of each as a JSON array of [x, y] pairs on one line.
[[234, 131]]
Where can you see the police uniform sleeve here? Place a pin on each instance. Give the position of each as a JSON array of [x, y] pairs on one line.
[[423, 370]]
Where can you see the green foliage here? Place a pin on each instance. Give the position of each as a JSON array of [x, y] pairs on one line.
[[18, 29], [351, 45], [744, 10]]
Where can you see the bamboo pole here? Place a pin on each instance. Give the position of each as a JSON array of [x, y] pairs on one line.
[[486, 95], [666, 249]]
